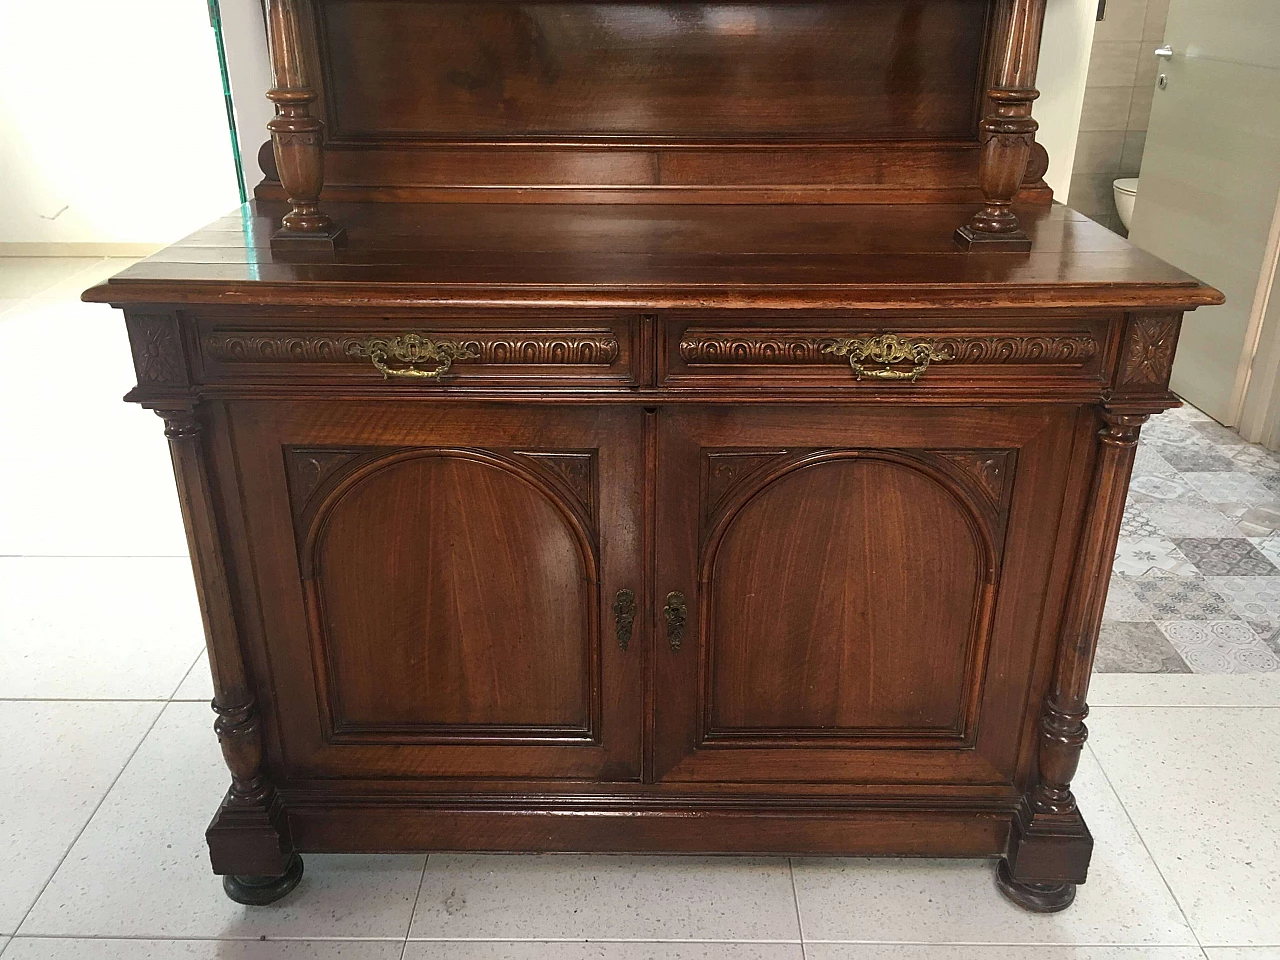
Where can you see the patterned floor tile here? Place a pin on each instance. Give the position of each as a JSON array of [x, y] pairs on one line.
[[1136, 648], [1137, 524], [1234, 487], [1252, 598], [1218, 435], [1147, 488], [1181, 598], [1122, 604], [1226, 557], [1258, 520], [1220, 646], [1169, 430], [1201, 457], [1268, 546], [1147, 462], [1254, 459], [1190, 516], [1135, 557]]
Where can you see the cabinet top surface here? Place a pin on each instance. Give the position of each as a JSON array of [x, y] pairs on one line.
[[657, 256]]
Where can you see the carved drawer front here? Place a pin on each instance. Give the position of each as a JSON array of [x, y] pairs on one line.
[[423, 352], [886, 353]]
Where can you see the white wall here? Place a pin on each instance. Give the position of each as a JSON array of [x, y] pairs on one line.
[[1064, 64], [250, 69], [112, 122]]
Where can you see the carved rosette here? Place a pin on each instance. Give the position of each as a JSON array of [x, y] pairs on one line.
[[1147, 357], [157, 349]]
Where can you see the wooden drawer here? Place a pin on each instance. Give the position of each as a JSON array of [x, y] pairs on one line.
[[531, 350], [881, 352]]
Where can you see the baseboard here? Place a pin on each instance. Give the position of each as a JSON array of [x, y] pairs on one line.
[[60, 249]]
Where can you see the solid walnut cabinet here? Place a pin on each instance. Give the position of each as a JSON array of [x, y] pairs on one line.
[[681, 428]]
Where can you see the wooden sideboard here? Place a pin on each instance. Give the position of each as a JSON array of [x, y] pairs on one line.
[[630, 454]]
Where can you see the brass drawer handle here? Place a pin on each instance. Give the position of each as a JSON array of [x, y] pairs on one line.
[[412, 349], [624, 616], [886, 349], [675, 612]]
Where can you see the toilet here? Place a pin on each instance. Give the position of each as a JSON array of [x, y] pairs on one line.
[[1126, 191]]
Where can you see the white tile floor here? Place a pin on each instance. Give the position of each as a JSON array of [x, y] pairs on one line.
[[111, 768]]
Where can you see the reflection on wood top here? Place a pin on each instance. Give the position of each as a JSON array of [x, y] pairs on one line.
[[660, 255]]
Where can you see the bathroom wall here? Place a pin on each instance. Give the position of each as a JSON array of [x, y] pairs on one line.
[[1117, 103]]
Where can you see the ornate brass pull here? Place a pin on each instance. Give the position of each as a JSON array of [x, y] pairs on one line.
[[887, 349], [624, 616], [675, 612], [412, 349]]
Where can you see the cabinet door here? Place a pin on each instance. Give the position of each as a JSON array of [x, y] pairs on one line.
[[869, 593], [436, 586]]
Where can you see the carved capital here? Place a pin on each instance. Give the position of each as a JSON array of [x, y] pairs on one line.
[[1122, 429], [179, 424]]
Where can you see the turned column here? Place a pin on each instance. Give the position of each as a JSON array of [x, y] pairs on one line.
[[248, 839], [1008, 131], [1050, 846], [297, 137]]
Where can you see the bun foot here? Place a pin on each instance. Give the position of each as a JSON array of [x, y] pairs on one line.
[[259, 891], [1036, 897]]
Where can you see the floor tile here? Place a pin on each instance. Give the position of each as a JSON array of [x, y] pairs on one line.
[[916, 951], [1254, 519], [140, 869], [542, 950], [1256, 460], [111, 491], [1122, 604], [1234, 487], [38, 948], [1193, 456], [1151, 487], [198, 684], [1184, 690], [1142, 555], [1219, 435], [1190, 516], [1137, 648], [606, 897], [1170, 597], [1136, 524], [940, 901], [31, 276], [1242, 953], [58, 760], [1200, 785], [1147, 461], [97, 627], [1251, 598], [1226, 557], [1269, 547], [1220, 646]]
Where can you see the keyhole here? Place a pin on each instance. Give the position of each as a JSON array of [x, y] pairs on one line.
[[1163, 82]]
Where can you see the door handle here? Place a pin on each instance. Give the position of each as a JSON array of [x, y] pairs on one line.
[[624, 616], [1165, 52], [676, 613]]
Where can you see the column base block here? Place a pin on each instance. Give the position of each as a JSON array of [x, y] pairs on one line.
[[259, 891], [294, 244], [1036, 897], [975, 241]]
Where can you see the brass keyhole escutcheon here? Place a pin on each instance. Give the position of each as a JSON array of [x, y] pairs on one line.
[[624, 616], [676, 612]]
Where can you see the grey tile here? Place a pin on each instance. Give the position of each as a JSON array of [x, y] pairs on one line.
[[1098, 152], [992, 951], [1123, 22], [1184, 690], [1122, 605], [562, 950], [559, 897], [1156, 19], [1144, 93], [1131, 154], [1251, 598], [1149, 488], [1091, 194], [1113, 64], [1219, 435], [1106, 108], [1226, 557], [1136, 648], [1148, 462], [1136, 524], [1198, 459], [1220, 646], [40, 948], [1143, 555], [1190, 516], [1260, 520], [1171, 597], [1256, 460]]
